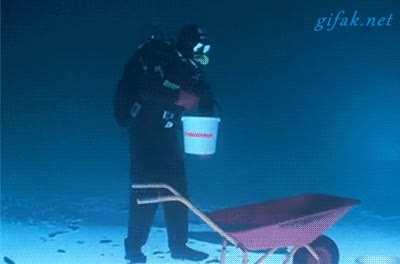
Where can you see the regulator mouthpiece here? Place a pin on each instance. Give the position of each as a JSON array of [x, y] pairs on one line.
[[201, 58]]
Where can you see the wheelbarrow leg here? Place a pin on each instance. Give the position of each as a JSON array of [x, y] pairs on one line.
[[289, 257], [223, 252], [245, 257], [265, 256], [262, 259]]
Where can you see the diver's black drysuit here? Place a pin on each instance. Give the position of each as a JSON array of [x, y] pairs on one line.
[[151, 83]]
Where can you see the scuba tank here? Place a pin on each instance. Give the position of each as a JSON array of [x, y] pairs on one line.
[[143, 62]]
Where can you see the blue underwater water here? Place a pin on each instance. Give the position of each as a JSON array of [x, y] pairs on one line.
[[304, 111]]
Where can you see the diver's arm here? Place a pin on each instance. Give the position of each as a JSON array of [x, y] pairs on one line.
[[151, 90], [187, 100]]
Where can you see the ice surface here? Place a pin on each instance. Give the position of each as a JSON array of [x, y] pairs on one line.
[[72, 236]]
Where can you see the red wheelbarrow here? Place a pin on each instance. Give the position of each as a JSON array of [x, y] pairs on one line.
[[295, 222]]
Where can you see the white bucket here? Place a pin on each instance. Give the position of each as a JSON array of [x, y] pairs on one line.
[[200, 134]]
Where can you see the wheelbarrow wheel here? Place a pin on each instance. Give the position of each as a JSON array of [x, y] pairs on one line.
[[325, 248]]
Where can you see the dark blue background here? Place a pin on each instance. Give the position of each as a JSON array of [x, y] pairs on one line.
[[304, 111]]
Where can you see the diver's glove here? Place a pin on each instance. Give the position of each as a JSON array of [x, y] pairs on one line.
[[187, 100]]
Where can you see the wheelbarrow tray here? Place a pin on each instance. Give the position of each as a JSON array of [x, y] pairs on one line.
[[294, 221]]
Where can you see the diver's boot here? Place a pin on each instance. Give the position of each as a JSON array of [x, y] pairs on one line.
[[136, 257], [188, 254]]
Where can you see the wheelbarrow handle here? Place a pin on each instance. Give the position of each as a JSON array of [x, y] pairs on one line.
[[161, 199], [156, 186], [188, 204]]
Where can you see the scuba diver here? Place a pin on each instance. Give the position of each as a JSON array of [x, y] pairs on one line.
[[160, 81]]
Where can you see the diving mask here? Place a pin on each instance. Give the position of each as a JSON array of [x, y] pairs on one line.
[[199, 53]]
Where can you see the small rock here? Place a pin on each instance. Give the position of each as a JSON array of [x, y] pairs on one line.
[[75, 222], [57, 233], [8, 260], [73, 227]]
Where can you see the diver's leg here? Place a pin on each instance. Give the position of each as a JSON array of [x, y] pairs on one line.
[[176, 214], [140, 216], [176, 217], [139, 225]]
